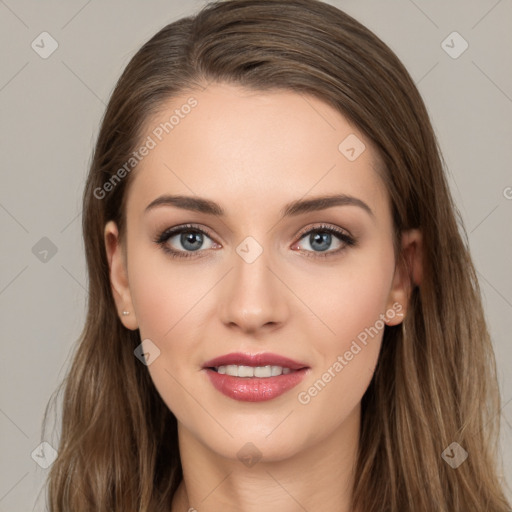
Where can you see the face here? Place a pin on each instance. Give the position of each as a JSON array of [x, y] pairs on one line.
[[268, 279]]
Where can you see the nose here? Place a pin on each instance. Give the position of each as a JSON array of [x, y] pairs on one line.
[[254, 296]]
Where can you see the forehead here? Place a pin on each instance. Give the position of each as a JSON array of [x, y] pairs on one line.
[[252, 149]]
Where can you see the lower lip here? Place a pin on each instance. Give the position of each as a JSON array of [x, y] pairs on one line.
[[255, 389]]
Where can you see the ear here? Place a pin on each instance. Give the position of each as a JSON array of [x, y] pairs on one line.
[[408, 274], [119, 276]]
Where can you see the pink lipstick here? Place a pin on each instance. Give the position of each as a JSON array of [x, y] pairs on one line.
[[254, 378]]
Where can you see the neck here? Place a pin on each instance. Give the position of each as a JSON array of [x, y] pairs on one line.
[[319, 478]]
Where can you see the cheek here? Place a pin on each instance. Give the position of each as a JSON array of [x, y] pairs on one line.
[[357, 296], [164, 296], [168, 305], [347, 356]]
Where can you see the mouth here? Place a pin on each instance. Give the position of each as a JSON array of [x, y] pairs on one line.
[[254, 378]]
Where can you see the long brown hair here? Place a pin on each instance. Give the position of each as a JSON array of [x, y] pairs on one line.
[[435, 381]]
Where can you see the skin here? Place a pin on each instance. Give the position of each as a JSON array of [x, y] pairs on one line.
[[252, 152]]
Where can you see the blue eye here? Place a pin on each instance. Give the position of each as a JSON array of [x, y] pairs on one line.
[[192, 238], [321, 237]]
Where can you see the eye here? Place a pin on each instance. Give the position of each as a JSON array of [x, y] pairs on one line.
[[320, 238], [190, 237]]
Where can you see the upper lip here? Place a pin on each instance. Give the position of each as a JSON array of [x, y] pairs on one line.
[[263, 359]]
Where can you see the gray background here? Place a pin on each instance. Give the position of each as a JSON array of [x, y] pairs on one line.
[[51, 109]]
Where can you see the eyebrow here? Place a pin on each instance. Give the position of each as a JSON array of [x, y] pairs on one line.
[[294, 208]]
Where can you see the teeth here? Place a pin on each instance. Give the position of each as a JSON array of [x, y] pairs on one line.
[[244, 371], [263, 371], [252, 371]]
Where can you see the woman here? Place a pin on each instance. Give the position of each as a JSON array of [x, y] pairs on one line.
[[283, 312]]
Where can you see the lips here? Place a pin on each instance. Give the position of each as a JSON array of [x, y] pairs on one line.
[[254, 378]]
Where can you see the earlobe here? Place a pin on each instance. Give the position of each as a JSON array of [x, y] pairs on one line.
[[118, 276], [408, 274]]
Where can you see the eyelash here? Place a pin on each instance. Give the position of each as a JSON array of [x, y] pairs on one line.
[[164, 236]]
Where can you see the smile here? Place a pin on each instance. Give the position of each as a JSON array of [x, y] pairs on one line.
[[254, 378]]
